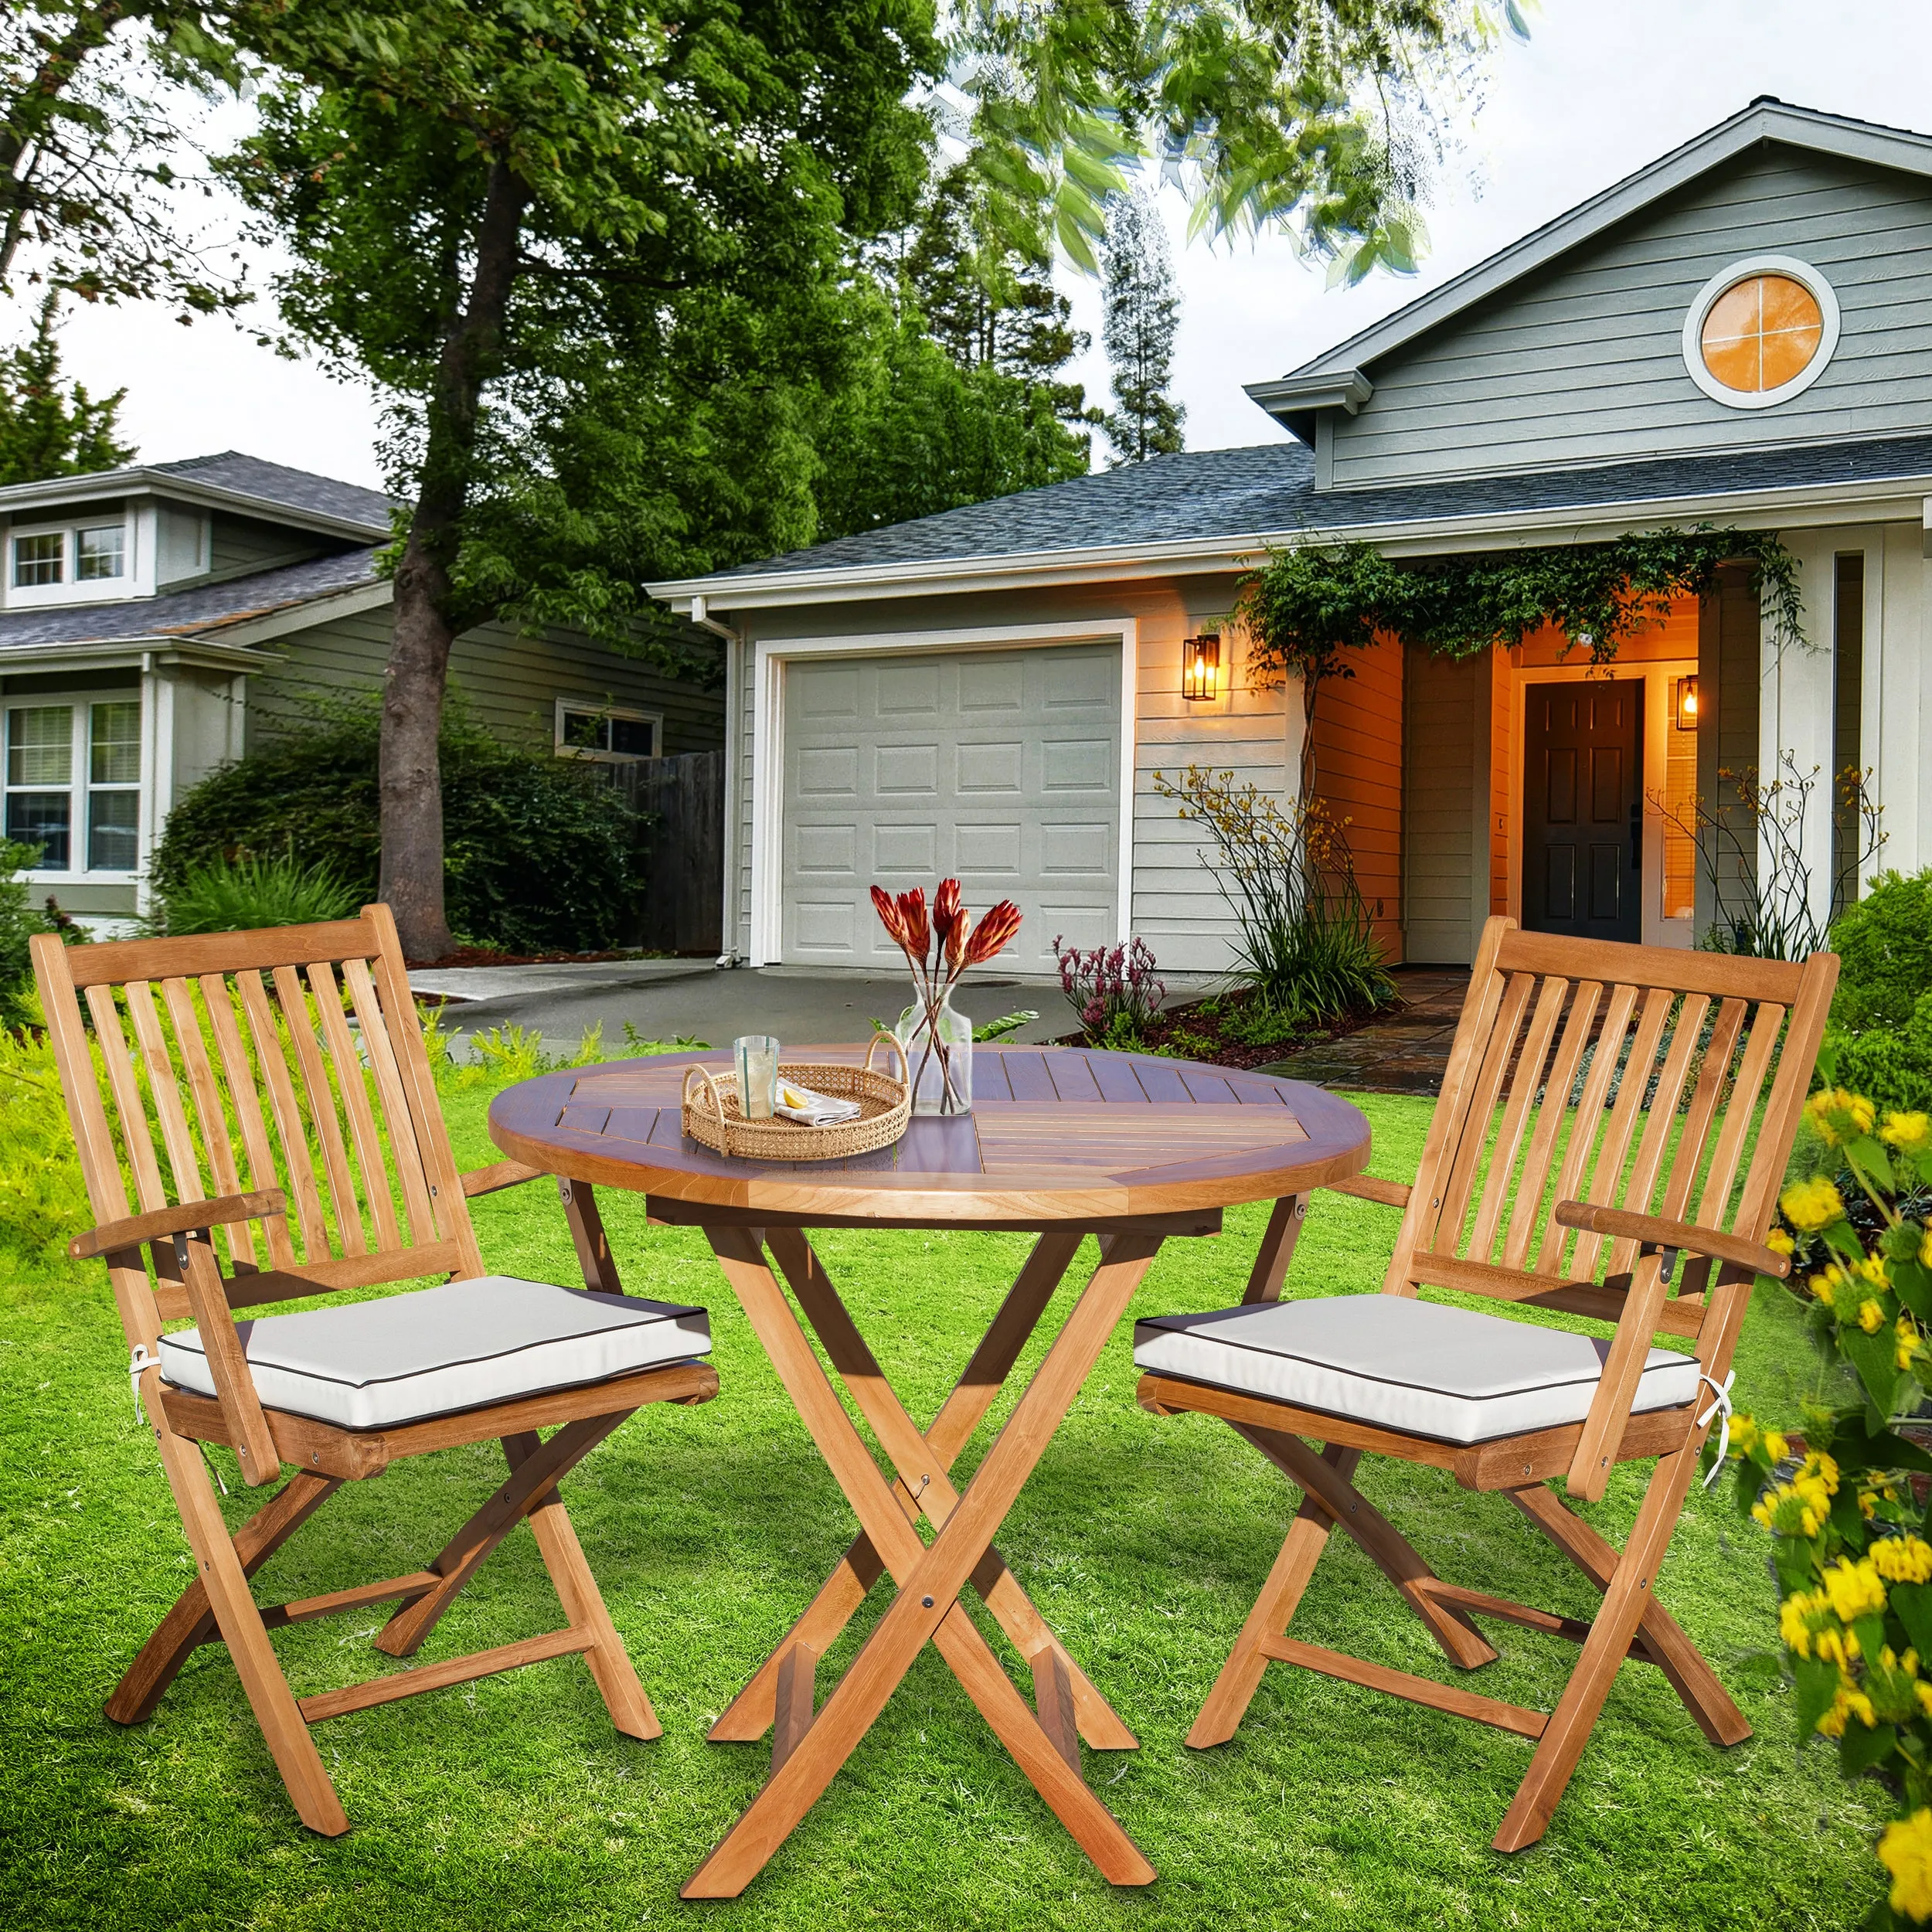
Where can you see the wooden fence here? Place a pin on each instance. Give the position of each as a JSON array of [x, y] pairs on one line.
[[683, 909]]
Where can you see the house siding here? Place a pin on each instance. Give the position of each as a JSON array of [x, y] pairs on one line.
[[238, 545], [510, 682], [1584, 362], [1357, 750], [1175, 904], [1446, 805]]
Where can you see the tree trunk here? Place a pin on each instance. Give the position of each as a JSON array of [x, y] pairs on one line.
[[418, 662]]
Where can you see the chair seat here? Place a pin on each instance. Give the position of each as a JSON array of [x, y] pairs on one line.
[[370, 1364], [1416, 1367]]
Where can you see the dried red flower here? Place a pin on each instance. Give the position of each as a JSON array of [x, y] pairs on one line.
[[947, 912], [918, 939], [883, 904], [991, 934]]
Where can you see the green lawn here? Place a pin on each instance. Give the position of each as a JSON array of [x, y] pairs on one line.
[[510, 1802]]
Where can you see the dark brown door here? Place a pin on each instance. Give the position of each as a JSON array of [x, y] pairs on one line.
[[1583, 809]]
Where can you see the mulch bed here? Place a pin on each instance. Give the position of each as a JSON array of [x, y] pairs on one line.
[[489, 956], [1211, 1030]]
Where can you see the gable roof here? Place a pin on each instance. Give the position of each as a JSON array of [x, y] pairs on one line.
[[247, 485], [1340, 376], [1209, 510]]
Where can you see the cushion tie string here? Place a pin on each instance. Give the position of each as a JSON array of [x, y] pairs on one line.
[[138, 1363], [1721, 1408]]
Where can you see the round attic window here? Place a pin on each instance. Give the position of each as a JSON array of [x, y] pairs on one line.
[[1761, 332]]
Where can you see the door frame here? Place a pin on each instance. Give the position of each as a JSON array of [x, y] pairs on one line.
[[1659, 675], [772, 656]]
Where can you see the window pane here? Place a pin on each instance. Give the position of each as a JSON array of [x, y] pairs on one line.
[[40, 745], [113, 821], [587, 730], [116, 759], [634, 737], [42, 818], [37, 559], [99, 551]]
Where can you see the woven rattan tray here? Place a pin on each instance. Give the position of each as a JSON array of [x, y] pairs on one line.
[[714, 1113]]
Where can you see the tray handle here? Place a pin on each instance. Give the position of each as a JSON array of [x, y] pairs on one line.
[[905, 1068], [717, 1105]]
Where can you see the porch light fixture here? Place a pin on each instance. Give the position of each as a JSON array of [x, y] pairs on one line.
[[1200, 668], [1686, 706]]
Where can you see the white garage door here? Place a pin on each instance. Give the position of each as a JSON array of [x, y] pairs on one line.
[[1000, 767]]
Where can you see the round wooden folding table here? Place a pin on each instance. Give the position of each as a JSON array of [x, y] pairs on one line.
[[1061, 1143]]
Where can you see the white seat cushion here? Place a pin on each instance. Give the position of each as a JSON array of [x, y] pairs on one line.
[[1454, 1374], [368, 1364]]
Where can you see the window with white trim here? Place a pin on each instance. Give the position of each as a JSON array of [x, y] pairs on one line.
[[72, 771], [612, 734], [46, 559]]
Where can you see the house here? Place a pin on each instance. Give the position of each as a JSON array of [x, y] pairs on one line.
[[158, 619], [1739, 336]]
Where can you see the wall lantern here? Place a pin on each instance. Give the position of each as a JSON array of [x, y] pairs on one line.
[[1686, 704], [1200, 668]]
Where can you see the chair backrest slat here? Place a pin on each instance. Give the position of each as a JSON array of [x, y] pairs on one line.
[[301, 1184], [149, 1191], [350, 1083], [245, 1098], [321, 1106], [164, 1085], [1627, 1077], [403, 1147], [210, 1115]]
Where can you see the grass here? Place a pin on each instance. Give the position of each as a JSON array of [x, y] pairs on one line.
[[510, 1803]]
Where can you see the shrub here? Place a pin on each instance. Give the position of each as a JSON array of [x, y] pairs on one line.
[[235, 895], [44, 1201], [1307, 946], [18, 923], [1849, 1538], [538, 850], [1113, 988], [1884, 943]]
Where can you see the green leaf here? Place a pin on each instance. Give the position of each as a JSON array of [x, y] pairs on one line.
[[1817, 1691], [1864, 1745], [1911, 1604], [1874, 1357], [1871, 1155], [1870, 1632]]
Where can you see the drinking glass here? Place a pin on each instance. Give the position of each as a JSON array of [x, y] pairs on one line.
[[758, 1058]]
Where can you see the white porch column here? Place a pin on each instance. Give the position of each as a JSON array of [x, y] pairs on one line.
[[1897, 637], [1795, 714]]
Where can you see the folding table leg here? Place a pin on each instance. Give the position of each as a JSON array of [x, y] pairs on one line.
[[930, 1579], [749, 1714]]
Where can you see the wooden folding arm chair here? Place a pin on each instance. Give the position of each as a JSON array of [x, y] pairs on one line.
[[220, 1078], [1634, 1106]]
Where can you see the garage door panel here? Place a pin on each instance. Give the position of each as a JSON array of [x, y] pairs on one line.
[[1002, 767]]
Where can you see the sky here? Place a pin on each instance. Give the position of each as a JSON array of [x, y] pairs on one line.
[[1602, 88]]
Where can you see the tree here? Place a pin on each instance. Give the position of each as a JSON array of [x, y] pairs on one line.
[[543, 225], [91, 94], [1143, 313], [46, 430]]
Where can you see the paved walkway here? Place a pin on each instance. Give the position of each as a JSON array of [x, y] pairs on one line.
[[1406, 1052]]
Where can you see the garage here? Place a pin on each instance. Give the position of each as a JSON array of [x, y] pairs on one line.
[[1001, 767]]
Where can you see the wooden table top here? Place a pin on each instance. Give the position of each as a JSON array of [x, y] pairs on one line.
[[1056, 1135]]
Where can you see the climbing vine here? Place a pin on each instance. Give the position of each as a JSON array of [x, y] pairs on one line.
[[1308, 608]]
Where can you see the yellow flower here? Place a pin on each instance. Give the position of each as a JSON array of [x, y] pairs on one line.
[[1924, 1691], [1849, 1703], [1871, 1316], [1838, 1117], [1779, 1242], [1775, 1446], [1909, 1133], [1821, 1286], [1855, 1590], [1925, 1250], [1812, 1204], [1903, 1560], [1906, 1851]]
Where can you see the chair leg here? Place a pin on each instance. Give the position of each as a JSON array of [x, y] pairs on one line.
[[1625, 1601], [610, 1666], [240, 1624], [191, 1623], [531, 1479], [1273, 1610], [1662, 1636]]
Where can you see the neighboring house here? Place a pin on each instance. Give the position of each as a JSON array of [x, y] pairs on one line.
[[1741, 335], [157, 619]]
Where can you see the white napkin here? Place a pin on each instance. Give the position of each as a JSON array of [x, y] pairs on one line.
[[809, 1109]]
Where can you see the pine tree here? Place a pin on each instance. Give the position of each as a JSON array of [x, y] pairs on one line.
[[48, 430], [1142, 314]]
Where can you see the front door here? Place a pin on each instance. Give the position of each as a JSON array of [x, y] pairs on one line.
[[1583, 809]]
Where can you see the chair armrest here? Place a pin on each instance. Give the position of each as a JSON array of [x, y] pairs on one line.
[[111, 1236], [1365, 1187], [499, 1175], [1655, 1231]]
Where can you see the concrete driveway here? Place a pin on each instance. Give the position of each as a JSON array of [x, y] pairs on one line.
[[664, 999]]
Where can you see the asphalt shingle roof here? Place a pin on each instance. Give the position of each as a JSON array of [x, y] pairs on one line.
[[276, 483], [197, 613], [1269, 490]]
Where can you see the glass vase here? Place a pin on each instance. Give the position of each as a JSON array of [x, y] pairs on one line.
[[940, 1061]]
